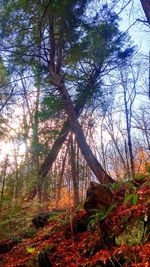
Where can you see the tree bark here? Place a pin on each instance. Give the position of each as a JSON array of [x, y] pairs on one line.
[[128, 125], [60, 181], [80, 103], [146, 7], [3, 174], [74, 171], [96, 168], [35, 129], [52, 155]]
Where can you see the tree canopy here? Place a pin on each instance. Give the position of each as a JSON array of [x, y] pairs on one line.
[[69, 49], [65, 65]]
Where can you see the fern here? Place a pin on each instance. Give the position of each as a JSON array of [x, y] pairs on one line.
[[99, 215]]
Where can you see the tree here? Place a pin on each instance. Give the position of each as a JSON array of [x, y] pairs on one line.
[[72, 117], [3, 170], [141, 124], [6, 91], [129, 97], [146, 7], [72, 47]]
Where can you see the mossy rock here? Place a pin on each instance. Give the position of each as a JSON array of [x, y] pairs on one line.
[[132, 235]]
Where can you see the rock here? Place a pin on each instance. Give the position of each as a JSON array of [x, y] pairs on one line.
[[43, 259], [80, 223], [41, 219], [98, 196], [132, 235], [7, 245]]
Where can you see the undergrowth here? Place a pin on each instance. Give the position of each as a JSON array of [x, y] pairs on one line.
[[117, 236]]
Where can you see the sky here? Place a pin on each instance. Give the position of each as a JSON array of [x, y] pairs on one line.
[[130, 12], [139, 32]]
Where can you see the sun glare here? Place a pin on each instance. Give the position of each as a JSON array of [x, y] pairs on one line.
[[9, 149]]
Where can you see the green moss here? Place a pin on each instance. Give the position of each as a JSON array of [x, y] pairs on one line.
[[132, 235]]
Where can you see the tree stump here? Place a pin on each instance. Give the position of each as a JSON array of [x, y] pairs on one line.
[[41, 219], [43, 259], [98, 196]]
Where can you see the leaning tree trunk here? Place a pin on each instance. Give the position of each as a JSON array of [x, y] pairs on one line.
[[146, 7], [55, 65], [80, 103], [52, 155], [96, 168]]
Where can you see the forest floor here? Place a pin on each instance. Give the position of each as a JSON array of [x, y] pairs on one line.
[[75, 238]]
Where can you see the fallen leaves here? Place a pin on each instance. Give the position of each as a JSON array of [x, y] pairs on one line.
[[87, 248]]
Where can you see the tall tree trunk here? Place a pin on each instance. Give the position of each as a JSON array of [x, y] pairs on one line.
[[60, 181], [110, 130], [3, 175], [35, 141], [128, 125], [127, 157], [146, 7], [74, 171], [96, 168]]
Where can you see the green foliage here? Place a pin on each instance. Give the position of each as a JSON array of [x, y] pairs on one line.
[[128, 197], [82, 39], [140, 176], [3, 74], [16, 239], [147, 168], [15, 218], [133, 197], [30, 249], [5, 89], [29, 232], [115, 186], [51, 106], [128, 185], [27, 15], [100, 215], [64, 220], [87, 43]]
